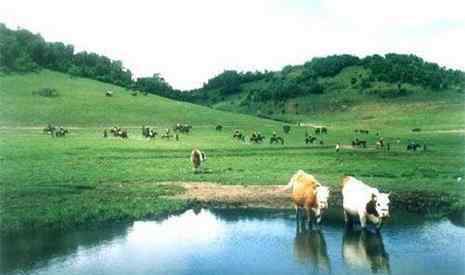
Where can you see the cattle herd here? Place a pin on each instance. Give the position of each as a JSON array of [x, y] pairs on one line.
[[55, 131], [256, 137]]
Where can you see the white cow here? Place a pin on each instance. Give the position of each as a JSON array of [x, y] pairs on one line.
[[364, 201]]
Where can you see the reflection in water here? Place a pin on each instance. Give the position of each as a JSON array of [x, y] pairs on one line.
[[234, 241], [364, 250], [458, 218], [36, 250], [310, 249]]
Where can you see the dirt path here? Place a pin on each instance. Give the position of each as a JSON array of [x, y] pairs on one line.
[[267, 196]]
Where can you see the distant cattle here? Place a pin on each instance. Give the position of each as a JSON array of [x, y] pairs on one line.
[[257, 137], [119, 132], [276, 139], [167, 134], [309, 139], [109, 93], [416, 130], [183, 128], [359, 143], [413, 146], [197, 158], [308, 195], [237, 134], [61, 132], [321, 130], [380, 143], [364, 251], [364, 202], [148, 132]]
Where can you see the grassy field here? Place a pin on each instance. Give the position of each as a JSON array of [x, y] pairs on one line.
[[84, 178]]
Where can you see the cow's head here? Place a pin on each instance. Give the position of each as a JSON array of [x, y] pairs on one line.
[[322, 195], [381, 202]]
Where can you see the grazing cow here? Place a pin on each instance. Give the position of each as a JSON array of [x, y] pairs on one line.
[[257, 137], [413, 146], [380, 143], [309, 195], [309, 139], [364, 201], [276, 139], [167, 134], [359, 143], [109, 93], [197, 158], [364, 250], [183, 128], [310, 249]]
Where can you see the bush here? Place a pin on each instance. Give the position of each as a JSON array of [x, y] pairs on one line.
[[46, 92]]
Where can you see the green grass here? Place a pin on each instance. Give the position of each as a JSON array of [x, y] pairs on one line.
[[85, 179]]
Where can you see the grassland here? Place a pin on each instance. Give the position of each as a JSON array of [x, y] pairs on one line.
[[84, 178]]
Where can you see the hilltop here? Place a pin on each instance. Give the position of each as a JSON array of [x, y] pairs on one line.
[[344, 88]]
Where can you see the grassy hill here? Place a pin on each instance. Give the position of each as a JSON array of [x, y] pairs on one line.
[[344, 103], [82, 102]]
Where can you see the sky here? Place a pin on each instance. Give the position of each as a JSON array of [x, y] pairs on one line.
[[188, 42]]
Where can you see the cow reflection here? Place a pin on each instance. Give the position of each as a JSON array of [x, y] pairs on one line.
[[364, 250], [310, 248]]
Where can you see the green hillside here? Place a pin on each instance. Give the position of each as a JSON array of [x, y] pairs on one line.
[[82, 102], [344, 101]]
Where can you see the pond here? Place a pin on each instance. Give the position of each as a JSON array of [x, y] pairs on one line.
[[235, 241]]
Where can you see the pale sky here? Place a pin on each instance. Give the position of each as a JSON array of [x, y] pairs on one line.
[[190, 41]]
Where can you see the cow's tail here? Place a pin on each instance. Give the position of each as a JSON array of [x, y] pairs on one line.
[[290, 185]]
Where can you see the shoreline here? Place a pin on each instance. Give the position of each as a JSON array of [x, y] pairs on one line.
[[206, 194]]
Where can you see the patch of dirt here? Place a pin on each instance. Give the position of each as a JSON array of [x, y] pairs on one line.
[[447, 131], [260, 196]]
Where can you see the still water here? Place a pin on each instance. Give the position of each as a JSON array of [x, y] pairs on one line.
[[241, 242]]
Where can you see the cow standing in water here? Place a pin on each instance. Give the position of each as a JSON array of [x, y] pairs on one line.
[[309, 195], [364, 201], [197, 158]]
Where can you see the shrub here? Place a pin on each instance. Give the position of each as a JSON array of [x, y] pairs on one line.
[[46, 92]]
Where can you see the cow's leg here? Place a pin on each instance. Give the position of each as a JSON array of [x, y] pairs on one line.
[[317, 213], [309, 218], [363, 219], [297, 215]]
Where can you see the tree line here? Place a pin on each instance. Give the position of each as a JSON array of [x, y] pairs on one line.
[[23, 51]]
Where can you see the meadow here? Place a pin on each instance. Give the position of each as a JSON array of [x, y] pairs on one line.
[[84, 178]]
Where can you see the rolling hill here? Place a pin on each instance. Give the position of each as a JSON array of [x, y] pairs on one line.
[[82, 102]]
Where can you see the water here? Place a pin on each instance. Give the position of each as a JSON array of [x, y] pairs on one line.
[[241, 242]]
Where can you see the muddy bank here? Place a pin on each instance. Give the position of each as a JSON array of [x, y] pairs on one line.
[[271, 196]]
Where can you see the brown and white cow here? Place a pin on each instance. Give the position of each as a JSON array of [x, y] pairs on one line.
[[309, 195], [197, 158], [363, 201]]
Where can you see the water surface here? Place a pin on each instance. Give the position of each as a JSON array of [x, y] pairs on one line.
[[241, 242]]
